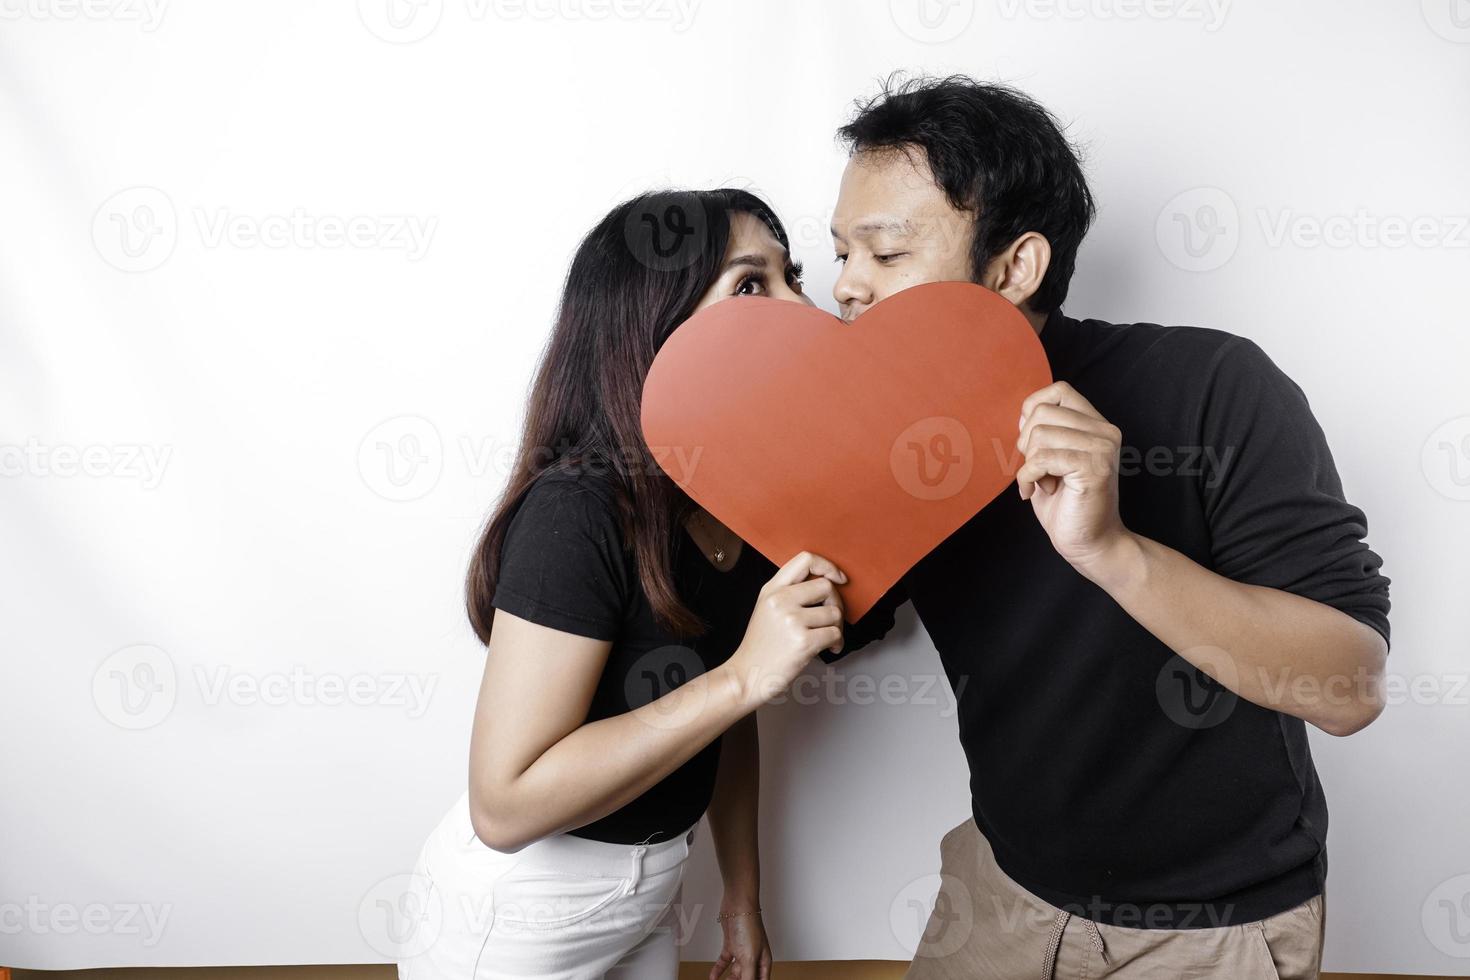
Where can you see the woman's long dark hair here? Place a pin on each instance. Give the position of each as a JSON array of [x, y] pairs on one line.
[[636, 276]]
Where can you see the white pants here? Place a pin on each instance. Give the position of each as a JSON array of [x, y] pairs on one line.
[[563, 908]]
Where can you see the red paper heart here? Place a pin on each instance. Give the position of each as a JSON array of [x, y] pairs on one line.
[[868, 443]]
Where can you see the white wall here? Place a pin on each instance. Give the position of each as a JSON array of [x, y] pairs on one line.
[[229, 402]]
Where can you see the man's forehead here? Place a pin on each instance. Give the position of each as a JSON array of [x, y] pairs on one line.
[[874, 224]]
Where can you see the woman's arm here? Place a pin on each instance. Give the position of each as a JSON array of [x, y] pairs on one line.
[[536, 769], [733, 816], [733, 820]]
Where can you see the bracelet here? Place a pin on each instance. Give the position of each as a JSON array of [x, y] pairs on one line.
[[730, 915]]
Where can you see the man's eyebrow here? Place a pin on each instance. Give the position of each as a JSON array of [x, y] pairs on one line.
[[896, 226]]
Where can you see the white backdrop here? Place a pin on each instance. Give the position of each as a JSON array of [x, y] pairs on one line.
[[274, 278]]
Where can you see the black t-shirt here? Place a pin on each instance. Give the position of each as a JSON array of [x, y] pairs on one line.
[[1111, 777], [564, 564]]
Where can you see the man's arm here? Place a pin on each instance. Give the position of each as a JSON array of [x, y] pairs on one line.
[[1275, 648]]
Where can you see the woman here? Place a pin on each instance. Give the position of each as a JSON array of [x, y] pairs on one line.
[[627, 629]]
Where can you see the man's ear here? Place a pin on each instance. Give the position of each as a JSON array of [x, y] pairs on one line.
[[1016, 273]]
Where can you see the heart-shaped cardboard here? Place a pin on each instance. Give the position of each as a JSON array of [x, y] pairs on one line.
[[868, 443]]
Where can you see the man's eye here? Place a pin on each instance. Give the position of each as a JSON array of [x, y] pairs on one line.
[[840, 257], [889, 257]]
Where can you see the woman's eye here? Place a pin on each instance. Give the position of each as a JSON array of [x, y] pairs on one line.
[[794, 277], [750, 286]]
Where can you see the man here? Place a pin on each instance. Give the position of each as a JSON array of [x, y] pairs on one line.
[[1140, 629]]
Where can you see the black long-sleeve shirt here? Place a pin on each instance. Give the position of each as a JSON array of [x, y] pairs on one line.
[[1111, 777]]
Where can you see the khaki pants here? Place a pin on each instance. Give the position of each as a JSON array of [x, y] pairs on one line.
[[986, 927]]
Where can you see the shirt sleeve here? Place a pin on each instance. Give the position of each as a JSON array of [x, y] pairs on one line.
[[1271, 492], [874, 625], [562, 563]]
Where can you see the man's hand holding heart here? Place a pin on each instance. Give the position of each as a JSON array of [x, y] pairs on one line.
[[1070, 475]]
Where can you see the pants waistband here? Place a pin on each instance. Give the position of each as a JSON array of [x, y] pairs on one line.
[[595, 858]]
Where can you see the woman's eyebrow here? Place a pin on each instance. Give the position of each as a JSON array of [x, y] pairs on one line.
[[754, 260]]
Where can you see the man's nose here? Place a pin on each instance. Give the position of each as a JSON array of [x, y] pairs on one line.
[[851, 290]]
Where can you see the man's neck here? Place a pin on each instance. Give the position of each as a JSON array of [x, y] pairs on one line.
[[1037, 320]]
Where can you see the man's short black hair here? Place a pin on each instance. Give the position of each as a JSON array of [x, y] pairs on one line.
[[996, 153]]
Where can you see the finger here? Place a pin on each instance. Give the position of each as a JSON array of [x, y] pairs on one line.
[[827, 638], [815, 617], [719, 966], [799, 569], [812, 592], [826, 569], [1056, 416], [765, 973], [1068, 464], [1058, 393], [1063, 437]]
